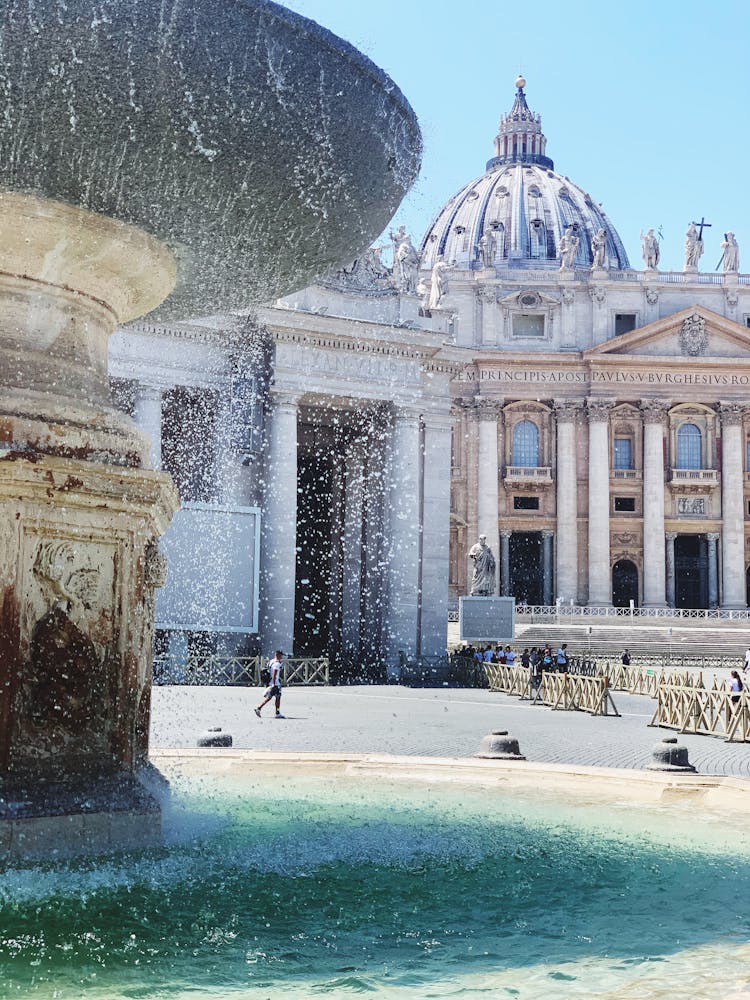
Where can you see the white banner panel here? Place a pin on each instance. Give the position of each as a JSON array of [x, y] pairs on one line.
[[213, 556]]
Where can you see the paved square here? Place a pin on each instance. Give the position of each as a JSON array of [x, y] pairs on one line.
[[439, 722]]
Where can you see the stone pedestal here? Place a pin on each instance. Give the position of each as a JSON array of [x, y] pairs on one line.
[[80, 518], [78, 567]]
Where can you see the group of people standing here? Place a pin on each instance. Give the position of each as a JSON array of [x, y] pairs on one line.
[[536, 658]]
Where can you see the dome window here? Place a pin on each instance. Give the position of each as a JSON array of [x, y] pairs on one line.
[[460, 230], [534, 192], [537, 239], [529, 299], [502, 192]]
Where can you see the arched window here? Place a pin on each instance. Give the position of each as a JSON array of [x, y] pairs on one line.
[[526, 444], [689, 447]]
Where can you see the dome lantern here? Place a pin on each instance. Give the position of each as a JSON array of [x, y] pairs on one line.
[[520, 138]]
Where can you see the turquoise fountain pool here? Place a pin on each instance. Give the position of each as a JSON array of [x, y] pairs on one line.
[[276, 882]]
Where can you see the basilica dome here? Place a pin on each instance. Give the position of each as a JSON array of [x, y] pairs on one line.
[[522, 205]]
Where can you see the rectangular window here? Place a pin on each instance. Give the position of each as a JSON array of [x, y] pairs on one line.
[[625, 505], [525, 503], [529, 325], [623, 453], [624, 323]]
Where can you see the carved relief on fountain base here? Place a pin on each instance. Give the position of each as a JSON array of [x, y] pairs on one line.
[[78, 567]]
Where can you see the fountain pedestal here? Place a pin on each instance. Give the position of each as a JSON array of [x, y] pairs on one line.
[[258, 150], [80, 518]]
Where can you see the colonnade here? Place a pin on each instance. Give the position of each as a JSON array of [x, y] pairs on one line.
[[726, 548], [395, 589]]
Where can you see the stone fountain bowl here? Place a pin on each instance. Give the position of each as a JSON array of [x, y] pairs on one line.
[[259, 147]]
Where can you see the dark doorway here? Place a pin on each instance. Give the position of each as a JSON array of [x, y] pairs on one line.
[[526, 570], [691, 571], [624, 584], [316, 456]]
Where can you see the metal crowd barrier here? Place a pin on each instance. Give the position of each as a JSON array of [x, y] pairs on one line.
[[692, 708], [244, 671], [565, 692]]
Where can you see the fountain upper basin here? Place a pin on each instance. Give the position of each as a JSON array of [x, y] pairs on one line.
[[260, 148]]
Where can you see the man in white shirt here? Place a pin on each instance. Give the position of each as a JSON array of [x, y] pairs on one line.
[[747, 660], [274, 684]]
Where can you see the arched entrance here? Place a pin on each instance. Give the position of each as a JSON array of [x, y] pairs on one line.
[[624, 583]]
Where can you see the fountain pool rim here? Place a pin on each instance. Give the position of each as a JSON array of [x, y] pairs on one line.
[[714, 793]]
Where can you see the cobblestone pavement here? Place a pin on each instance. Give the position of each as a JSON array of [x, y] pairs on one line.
[[427, 722]]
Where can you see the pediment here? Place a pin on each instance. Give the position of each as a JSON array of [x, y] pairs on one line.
[[693, 333]]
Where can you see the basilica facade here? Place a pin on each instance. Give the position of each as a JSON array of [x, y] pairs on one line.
[[511, 375]]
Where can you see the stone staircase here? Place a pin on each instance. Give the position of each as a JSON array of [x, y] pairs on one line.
[[693, 640]]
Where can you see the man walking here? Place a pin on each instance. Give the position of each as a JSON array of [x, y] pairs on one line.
[[274, 684]]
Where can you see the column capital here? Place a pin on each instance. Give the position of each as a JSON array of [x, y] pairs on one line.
[[670, 535], [597, 409], [147, 390], [286, 399], [713, 536], [405, 413], [567, 411], [731, 413], [488, 409], [548, 533], [654, 410], [505, 533]]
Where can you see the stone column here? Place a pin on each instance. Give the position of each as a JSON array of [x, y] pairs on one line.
[[148, 417], [472, 488], [487, 478], [654, 575], [567, 413], [732, 508], [279, 528], [436, 531], [374, 503], [403, 527], [547, 567], [600, 582], [505, 563], [351, 575], [713, 569], [670, 584]]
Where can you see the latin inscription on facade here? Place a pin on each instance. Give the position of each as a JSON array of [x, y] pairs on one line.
[[355, 365], [578, 377]]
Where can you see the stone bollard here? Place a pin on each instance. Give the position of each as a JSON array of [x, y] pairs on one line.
[[499, 746], [669, 755], [214, 737]]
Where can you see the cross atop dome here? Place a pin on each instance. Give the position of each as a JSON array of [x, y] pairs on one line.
[[520, 138]]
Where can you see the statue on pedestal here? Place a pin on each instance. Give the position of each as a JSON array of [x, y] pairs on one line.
[[487, 247], [730, 258], [438, 284], [599, 248], [483, 578], [651, 252], [693, 248], [568, 249], [405, 261]]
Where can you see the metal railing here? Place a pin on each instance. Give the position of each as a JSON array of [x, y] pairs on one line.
[[554, 612], [247, 671]]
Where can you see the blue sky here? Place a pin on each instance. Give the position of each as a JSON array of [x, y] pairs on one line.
[[645, 105]]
